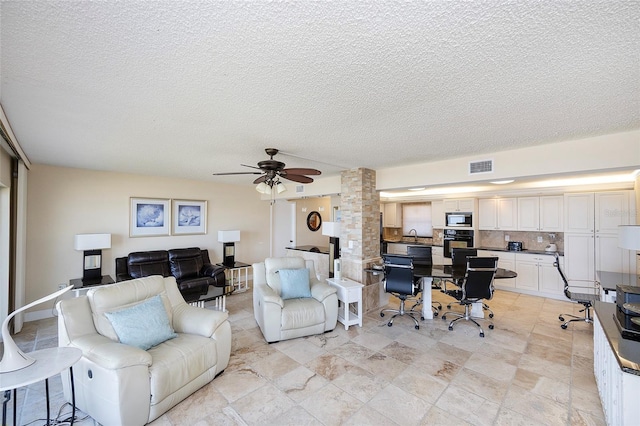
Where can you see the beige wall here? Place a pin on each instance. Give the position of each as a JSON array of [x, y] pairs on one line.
[[63, 202], [305, 206]]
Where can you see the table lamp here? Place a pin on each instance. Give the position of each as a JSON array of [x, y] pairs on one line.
[[332, 230], [13, 358], [92, 245], [229, 238]]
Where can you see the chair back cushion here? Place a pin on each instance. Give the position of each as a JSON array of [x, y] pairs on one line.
[[146, 263], [274, 264], [124, 295], [421, 255], [459, 255], [399, 280], [478, 280], [185, 263]]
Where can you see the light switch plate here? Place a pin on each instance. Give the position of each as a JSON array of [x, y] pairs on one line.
[[539, 239], [507, 238]]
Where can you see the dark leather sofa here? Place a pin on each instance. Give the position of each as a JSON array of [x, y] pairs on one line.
[[191, 268]]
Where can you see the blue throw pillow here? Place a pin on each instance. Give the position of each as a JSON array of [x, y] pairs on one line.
[[143, 325], [294, 283]]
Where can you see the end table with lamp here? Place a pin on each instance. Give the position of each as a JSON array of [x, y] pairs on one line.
[[18, 369]]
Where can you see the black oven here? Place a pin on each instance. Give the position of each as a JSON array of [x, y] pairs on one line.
[[454, 238]]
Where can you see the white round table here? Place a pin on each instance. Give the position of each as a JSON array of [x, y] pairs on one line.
[[49, 362]]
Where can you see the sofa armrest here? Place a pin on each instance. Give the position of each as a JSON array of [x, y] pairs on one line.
[[268, 295], [192, 320], [214, 271], [109, 354], [321, 291]]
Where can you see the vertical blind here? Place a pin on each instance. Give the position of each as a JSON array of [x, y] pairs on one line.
[[417, 216]]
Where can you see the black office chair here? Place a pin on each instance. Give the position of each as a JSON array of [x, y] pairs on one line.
[[459, 259], [586, 295], [477, 285], [422, 256], [398, 280]]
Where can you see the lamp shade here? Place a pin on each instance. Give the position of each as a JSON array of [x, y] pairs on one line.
[[228, 236], [629, 237], [331, 229], [92, 241]]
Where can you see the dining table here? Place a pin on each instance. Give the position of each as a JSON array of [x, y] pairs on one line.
[[445, 273]]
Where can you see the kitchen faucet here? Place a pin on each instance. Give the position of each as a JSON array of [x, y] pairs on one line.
[[415, 236]]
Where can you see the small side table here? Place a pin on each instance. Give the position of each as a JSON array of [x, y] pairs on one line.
[[235, 271], [349, 291], [49, 362], [80, 286]]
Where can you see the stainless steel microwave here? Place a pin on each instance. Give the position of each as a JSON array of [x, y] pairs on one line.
[[458, 220]]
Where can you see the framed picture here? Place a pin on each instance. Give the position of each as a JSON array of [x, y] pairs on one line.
[[189, 217], [149, 217]]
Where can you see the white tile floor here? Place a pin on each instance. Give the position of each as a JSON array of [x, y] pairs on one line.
[[527, 371]]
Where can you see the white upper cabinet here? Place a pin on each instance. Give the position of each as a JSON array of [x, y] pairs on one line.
[[590, 212], [459, 205], [578, 213], [540, 213], [392, 216], [498, 213], [437, 214]]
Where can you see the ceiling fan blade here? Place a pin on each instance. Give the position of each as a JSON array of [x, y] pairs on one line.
[[253, 167], [297, 178], [237, 173], [297, 171], [260, 179]]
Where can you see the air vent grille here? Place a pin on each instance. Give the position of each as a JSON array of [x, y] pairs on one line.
[[484, 166], [299, 189]]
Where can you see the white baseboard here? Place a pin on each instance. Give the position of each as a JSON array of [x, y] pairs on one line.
[[38, 315]]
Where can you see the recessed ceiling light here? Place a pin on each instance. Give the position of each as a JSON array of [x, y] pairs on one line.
[[502, 182], [417, 189]]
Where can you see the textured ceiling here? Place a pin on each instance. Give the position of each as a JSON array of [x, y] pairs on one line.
[[188, 88]]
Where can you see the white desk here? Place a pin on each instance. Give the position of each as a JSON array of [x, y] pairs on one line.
[[349, 292], [49, 362]]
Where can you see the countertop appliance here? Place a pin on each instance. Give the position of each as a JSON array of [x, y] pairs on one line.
[[551, 248], [459, 220], [515, 246]]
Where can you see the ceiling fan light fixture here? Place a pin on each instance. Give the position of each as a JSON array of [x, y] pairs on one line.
[[280, 188], [263, 188]]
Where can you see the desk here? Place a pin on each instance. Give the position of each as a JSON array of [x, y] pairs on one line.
[[235, 271], [609, 280], [49, 362]]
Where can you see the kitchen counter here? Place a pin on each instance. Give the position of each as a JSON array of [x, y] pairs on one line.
[[411, 243], [627, 352], [550, 253]]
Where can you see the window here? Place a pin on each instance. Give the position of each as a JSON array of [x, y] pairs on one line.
[[417, 216]]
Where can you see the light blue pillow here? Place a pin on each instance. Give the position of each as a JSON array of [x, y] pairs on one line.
[[294, 283], [143, 325]]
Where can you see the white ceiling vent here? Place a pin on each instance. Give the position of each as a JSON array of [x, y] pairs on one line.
[[299, 189], [483, 166]]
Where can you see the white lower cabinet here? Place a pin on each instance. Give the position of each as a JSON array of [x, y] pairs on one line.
[[505, 261], [538, 275]]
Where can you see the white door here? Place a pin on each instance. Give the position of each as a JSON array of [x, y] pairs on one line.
[[284, 227]]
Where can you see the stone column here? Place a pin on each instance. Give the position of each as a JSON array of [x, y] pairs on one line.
[[360, 233]]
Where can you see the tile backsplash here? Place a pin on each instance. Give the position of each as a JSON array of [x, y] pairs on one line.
[[529, 239]]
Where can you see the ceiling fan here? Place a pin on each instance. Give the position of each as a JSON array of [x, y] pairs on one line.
[[271, 170]]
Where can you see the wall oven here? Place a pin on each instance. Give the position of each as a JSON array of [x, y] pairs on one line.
[[458, 220], [454, 238]]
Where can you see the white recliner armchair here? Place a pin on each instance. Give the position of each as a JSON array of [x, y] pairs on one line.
[[121, 384], [282, 318]]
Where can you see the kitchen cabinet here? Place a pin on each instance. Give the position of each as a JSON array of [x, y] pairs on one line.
[[591, 233], [437, 214], [498, 214], [536, 273], [460, 205], [392, 216], [544, 214], [506, 260]]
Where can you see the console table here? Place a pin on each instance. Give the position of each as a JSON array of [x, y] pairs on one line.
[[49, 362], [236, 272], [80, 286], [349, 291]]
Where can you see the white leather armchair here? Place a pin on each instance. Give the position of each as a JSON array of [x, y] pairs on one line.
[[282, 319], [118, 384]]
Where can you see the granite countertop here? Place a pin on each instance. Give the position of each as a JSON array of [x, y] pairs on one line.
[[412, 243], [525, 251], [311, 249], [626, 351]]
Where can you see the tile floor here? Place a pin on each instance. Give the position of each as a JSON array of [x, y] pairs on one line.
[[527, 371]]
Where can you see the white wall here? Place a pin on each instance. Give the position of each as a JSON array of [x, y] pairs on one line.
[[63, 202]]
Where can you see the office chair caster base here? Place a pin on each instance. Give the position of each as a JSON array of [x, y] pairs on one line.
[[450, 328], [563, 326], [389, 324], [490, 315], [490, 326], [417, 327], [561, 318], [481, 334], [381, 315]]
